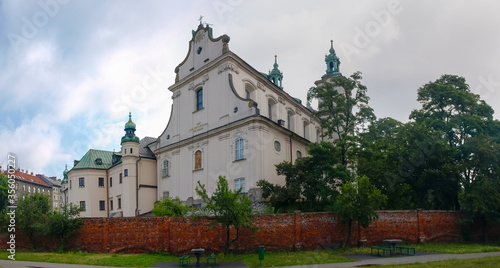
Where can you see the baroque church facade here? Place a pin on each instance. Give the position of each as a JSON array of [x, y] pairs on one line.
[[227, 119]]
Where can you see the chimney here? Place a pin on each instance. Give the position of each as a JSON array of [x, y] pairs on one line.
[[31, 173]]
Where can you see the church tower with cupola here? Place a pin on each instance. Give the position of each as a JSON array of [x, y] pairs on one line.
[[130, 142], [332, 63], [275, 75]]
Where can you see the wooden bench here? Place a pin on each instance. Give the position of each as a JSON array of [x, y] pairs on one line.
[[408, 248], [184, 259], [211, 257], [384, 250]]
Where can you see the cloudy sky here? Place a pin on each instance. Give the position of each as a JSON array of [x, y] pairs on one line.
[[71, 70]]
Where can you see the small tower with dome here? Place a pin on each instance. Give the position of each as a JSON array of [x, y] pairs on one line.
[[275, 75], [130, 142]]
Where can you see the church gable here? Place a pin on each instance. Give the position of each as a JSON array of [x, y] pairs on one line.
[[203, 48]]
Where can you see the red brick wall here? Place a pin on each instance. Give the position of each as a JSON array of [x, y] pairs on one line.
[[275, 232]]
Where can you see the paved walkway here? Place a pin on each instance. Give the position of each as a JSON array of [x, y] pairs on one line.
[[365, 261]]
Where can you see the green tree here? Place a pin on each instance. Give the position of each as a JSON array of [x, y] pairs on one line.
[[4, 191], [311, 182], [230, 208], [65, 223], [480, 198], [378, 158], [343, 110], [32, 216], [449, 106], [358, 202], [171, 207]]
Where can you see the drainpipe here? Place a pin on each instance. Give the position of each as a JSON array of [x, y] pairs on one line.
[[291, 149], [107, 191], [137, 186]]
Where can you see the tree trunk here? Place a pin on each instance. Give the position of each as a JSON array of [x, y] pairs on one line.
[[228, 239], [348, 243], [485, 230]]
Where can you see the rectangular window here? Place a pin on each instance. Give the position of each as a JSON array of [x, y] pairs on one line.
[[119, 202], [166, 168], [110, 204], [239, 184], [81, 182], [199, 99], [126, 172], [101, 182], [110, 181], [69, 186], [82, 205], [120, 181], [101, 205], [239, 149]]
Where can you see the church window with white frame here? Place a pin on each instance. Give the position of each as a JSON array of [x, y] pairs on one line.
[[165, 169], [239, 151], [239, 184], [198, 163], [199, 99]]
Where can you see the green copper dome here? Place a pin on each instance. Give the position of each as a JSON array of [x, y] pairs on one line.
[[130, 131], [65, 175], [130, 124], [332, 63], [276, 76]]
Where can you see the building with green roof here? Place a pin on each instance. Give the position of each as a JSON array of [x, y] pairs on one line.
[[112, 184]]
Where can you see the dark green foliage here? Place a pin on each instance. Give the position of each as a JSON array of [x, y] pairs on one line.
[[358, 202], [480, 163], [449, 106], [230, 208], [311, 182], [65, 223], [4, 191], [32, 216], [378, 157], [169, 206], [343, 109]]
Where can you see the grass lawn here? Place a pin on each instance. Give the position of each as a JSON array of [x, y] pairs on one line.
[[275, 259], [456, 248], [485, 262], [121, 260]]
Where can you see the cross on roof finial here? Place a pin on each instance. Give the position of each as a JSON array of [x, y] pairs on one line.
[[201, 17]]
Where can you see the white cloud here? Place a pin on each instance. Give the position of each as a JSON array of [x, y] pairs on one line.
[[70, 87]]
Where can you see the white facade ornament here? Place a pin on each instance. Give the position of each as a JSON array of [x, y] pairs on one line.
[[228, 66], [176, 94]]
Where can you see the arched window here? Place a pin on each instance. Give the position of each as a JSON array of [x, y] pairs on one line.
[[272, 109], [299, 154], [306, 130], [197, 160], [199, 99], [290, 121], [239, 149], [249, 91]]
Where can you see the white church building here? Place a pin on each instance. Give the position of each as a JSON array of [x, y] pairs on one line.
[[226, 119]]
